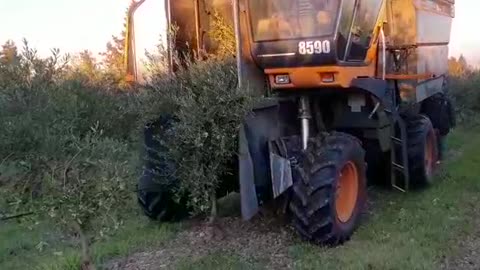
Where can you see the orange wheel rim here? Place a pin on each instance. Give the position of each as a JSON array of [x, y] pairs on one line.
[[429, 155], [347, 192]]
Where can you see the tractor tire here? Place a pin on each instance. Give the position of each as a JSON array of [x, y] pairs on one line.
[[422, 150], [378, 171], [156, 199], [329, 190]]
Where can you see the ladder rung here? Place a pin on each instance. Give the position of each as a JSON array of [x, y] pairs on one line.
[[398, 166], [397, 140], [399, 188]]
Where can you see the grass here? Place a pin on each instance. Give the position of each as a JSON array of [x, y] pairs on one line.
[[23, 248], [405, 231]]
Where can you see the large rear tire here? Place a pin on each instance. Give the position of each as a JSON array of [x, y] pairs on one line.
[[422, 151], [154, 189], [157, 201], [329, 190]]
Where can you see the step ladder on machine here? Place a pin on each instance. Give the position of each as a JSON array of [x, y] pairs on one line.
[[399, 173], [399, 167]]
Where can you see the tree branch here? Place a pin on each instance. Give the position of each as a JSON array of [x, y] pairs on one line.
[[16, 216]]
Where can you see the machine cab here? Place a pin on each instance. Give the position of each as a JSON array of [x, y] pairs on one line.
[[311, 33]]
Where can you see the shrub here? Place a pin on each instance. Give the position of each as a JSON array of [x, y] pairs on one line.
[[66, 150], [465, 93], [207, 108]]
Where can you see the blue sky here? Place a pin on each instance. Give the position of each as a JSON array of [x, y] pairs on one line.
[[74, 25]]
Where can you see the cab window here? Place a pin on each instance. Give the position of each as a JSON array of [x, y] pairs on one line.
[[361, 32], [287, 19]]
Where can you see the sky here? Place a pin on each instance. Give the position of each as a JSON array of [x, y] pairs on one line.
[[75, 25]]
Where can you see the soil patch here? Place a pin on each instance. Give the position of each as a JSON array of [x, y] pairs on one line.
[[264, 240], [469, 256]]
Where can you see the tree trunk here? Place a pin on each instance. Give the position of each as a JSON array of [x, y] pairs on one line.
[[214, 210], [87, 263]]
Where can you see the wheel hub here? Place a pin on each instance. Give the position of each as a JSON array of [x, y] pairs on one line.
[[347, 192]]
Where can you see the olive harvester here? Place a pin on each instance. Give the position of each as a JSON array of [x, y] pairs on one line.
[[354, 90]]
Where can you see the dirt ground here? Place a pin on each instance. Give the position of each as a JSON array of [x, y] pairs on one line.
[[264, 240], [469, 256]]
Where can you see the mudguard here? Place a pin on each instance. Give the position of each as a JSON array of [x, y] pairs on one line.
[[267, 123], [248, 192]]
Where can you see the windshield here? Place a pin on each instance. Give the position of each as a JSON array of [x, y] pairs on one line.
[[288, 19]]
